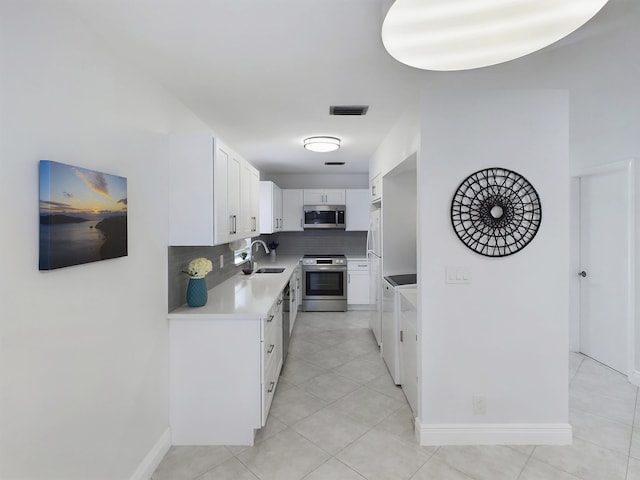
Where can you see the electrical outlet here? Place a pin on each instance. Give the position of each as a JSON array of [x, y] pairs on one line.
[[221, 261], [479, 404]]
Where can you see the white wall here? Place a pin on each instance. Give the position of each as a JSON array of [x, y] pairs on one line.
[[503, 336], [318, 180], [83, 350], [399, 219]]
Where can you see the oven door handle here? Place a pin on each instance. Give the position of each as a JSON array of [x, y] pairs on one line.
[[325, 268]]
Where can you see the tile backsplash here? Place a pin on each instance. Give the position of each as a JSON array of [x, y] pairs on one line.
[[179, 258], [321, 242]]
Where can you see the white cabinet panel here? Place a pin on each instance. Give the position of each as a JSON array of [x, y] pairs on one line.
[[324, 196], [292, 210], [358, 282], [270, 208], [357, 206], [224, 374], [209, 202]]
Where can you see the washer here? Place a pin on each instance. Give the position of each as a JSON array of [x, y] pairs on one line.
[[391, 321]]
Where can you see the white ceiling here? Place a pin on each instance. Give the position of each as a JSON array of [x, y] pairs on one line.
[[262, 74]]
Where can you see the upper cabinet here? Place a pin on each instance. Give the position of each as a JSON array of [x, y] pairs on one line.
[[324, 197], [292, 210], [249, 203], [213, 192], [271, 217], [375, 188], [357, 206]]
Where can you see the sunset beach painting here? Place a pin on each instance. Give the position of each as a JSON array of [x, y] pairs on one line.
[[83, 215]]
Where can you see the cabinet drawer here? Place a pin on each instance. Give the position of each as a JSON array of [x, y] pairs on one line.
[[357, 265], [273, 320], [270, 346], [271, 375]]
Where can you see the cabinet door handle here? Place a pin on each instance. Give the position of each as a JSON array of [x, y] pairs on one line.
[[301, 224], [363, 266], [271, 347], [271, 387], [401, 336], [348, 278], [270, 319]]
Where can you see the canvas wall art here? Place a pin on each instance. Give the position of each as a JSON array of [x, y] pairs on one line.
[[83, 215]]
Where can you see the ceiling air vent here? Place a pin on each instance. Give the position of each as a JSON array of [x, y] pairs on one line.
[[357, 110], [334, 163]]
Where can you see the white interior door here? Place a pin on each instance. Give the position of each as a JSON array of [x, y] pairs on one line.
[[604, 263]]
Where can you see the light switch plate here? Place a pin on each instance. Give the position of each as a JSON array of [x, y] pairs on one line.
[[458, 275]]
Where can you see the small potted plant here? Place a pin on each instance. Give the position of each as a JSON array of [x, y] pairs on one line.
[[246, 268], [197, 288]]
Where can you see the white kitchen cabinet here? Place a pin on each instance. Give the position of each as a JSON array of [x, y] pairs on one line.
[[357, 284], [330, 196], [234, 194], [292, 210], [375, 188], [223, 376], [409, 347], [272, 356], [250, 203], [206, 192], [271, 218], [357, 206]]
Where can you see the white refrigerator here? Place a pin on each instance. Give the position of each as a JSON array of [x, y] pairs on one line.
[[374, 256]]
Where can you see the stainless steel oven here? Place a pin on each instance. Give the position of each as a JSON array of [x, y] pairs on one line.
[[325, 284]]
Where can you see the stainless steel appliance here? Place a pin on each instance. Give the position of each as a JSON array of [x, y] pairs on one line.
[[325, 284], [324, 216]]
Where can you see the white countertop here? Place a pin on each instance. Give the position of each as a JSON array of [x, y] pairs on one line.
[[357, 258], [243, 296]]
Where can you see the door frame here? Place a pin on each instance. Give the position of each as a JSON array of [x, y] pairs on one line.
[[629, 168]]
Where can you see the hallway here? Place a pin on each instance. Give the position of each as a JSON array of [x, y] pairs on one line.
[[338, 416]]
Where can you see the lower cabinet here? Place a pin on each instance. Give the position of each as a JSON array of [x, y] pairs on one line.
[[223, 376], [357, 283]]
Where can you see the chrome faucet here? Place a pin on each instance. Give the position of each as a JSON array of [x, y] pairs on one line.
[[259, 242]]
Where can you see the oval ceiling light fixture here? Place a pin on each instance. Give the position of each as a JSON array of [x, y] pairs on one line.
[[321, 144], [447, 35]]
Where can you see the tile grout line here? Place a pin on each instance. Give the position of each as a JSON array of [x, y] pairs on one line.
[[527, 463]]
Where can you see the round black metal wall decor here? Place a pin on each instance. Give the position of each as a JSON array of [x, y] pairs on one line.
[[496, 212]]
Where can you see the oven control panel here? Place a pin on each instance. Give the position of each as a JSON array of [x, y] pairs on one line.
[[324, 261]]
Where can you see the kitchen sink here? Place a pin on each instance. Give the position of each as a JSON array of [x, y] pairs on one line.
[[270, 270]]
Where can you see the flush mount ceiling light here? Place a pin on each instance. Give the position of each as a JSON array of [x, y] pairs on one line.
[[451, 35], [321, 144]]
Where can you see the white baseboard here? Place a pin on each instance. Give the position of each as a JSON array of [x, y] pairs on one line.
[[634, 378], [152, 459], [494, 434], [358, 307]]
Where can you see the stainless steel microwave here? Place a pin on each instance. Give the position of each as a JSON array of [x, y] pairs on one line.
[[324, 216]]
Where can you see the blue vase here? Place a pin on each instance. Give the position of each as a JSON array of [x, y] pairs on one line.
[[197, 292]]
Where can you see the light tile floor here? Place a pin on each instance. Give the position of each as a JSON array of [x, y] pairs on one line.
[[337, 416]]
